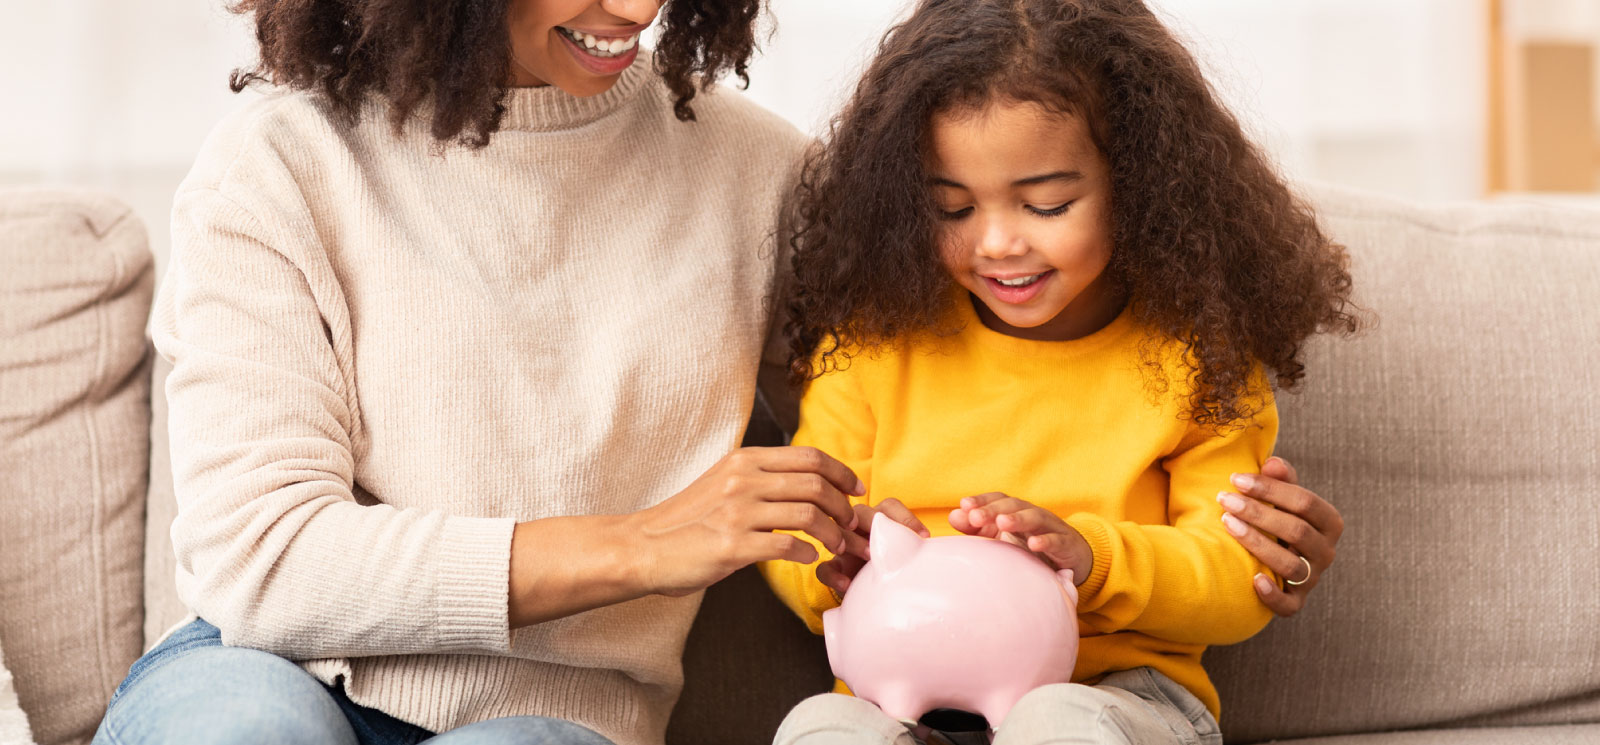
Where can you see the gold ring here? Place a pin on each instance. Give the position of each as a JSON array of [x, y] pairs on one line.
[[1307, 562]]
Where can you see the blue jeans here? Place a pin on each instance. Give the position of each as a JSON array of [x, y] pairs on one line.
[[192, 689]]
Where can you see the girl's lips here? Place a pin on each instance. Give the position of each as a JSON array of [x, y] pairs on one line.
[[599, 65], [1018, 295]]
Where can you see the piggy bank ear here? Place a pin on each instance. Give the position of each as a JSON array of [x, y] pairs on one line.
[[892, 544]]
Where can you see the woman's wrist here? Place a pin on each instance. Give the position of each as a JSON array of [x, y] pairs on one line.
[[561, 566]]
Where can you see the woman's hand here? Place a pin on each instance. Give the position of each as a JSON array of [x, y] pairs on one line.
[[838, 571], [1307, 523], [995, 515], [725, 519]]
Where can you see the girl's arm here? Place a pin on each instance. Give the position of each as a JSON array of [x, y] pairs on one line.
[[1189, 580]]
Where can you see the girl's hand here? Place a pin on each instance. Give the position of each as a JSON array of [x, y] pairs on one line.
[[1306, 522], [725, 519], [839, 571], [995, 515]]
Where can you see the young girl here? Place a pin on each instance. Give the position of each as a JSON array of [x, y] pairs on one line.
[[1044, 285]]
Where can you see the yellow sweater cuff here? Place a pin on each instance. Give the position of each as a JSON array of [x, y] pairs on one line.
[[1098, 534]]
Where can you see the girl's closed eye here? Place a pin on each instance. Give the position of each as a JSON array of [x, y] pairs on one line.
[[1051, 211]]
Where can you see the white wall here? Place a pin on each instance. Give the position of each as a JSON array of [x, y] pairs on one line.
[[1382, 94]]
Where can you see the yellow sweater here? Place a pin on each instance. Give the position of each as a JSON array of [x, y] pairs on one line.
[[1076, 427]]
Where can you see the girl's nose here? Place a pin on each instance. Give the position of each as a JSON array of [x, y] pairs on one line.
[[998, 241], [638, 11]]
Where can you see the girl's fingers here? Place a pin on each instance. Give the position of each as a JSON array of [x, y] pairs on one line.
[[837, 573], [1052, 546], [981, 500], [961, 520], [1282, 603], [1031, 521], [901, 514], [1299, 534], [1283, 561]]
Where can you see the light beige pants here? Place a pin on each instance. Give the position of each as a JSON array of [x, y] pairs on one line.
[[1131, 707]]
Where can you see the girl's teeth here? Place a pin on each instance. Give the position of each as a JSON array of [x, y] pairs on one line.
[[1019, 281]]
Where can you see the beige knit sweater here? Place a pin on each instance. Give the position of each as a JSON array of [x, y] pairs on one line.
[[384, 357]]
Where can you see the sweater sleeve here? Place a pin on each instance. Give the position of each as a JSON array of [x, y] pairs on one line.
[[272, 545], [1188, 581], [834, 418]]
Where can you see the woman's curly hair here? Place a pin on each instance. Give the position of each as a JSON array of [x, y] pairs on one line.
[[456, 53], [1210, 245]]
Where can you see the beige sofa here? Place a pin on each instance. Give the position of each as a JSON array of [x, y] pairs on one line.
[[1461, 439]]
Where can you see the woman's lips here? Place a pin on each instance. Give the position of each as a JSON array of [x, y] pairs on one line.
[[599, 65], [1018, 295]]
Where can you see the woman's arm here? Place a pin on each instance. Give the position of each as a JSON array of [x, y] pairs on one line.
[[720, 523], [1306, 522]]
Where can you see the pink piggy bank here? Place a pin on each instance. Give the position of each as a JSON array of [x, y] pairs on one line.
[[958, 622]]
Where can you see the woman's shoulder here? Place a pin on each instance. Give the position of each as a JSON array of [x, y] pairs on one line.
[[728, 121], [268, 130]]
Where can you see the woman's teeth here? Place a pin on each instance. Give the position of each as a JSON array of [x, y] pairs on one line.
[[601, 46], [1021, 281]]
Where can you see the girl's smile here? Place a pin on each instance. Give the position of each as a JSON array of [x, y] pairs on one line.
[[1025, 198]]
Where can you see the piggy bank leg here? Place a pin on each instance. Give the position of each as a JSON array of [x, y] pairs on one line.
[[997, 705], [901, 704]]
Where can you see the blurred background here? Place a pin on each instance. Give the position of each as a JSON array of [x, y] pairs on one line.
[[1431, 100]]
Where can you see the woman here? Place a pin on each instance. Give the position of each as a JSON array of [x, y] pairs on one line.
[[464, 330]]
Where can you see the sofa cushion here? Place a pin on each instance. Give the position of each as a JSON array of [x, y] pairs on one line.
[[163, 610], [1459, 440], [1576, 734], [74, 437]]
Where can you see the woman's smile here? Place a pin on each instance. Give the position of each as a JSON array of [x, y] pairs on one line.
[[605, 53]]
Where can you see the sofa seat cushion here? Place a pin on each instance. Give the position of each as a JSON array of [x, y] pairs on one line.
[[74, 438], [1575, 734]]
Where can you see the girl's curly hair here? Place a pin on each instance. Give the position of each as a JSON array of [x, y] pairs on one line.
[[456, 54], [1212, 248]]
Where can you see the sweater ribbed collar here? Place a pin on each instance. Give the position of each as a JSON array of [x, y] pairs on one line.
[[548, 108]]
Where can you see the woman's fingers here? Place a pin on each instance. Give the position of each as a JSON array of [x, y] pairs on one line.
[[805, 518], [1287, 527], [811, 460], [1290, 497], [1284, 603], [1284, 561], [1281, 470], [807, 488]]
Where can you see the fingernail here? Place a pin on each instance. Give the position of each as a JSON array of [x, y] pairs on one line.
[[1264, 585], [967, 503], [1233, 525], [854, 520], [1230, 502], [861, 488], [1244, 481]]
